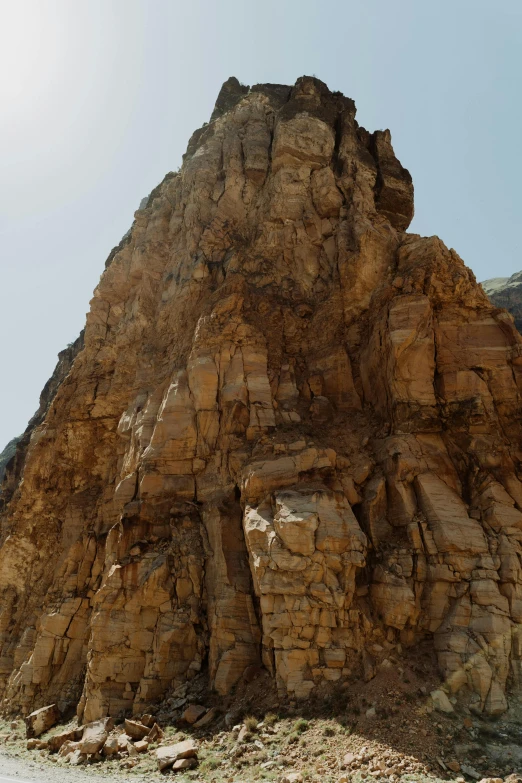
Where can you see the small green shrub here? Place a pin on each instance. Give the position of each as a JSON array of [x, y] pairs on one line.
[[251, 723], [211, 762]]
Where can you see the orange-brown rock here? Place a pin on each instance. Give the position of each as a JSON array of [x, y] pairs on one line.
[[292, 436], [136, 730], [170, 754], [41, 720]]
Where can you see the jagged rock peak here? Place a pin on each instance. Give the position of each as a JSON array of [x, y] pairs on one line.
[[285, 110], [290, 439], [308, 93], [230, 93]]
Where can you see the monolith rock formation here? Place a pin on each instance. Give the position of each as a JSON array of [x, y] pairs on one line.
[[290, 438]]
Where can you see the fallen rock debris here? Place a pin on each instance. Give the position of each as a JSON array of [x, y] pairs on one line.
[[383, 735]]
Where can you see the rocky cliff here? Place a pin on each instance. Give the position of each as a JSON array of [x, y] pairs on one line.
[[12, 458], [507, 292], [291, 439], [7, 454]]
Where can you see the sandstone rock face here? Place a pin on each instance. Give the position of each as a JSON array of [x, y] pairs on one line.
[[507, 292], [292, 436]]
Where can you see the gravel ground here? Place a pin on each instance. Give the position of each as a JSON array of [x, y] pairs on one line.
[[36, 772], [43, 773], [375, 732]]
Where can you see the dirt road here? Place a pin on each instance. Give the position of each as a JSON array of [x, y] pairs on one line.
[[13, 770]]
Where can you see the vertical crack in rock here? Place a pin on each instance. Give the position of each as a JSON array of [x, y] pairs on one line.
[[292, 438]]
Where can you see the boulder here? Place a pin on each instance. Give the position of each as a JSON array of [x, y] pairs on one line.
[[292, 777], [36, 744], [440, 701], [135, 730], [193, 713], [168, 754], [155, 734], [42, 720], [94, 735], [57, 740], [111, 746], [68, 748], [76, 758], [206, 719], [182, 764], [124, 741]]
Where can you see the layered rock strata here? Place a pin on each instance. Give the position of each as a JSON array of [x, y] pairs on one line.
[[292, 438]]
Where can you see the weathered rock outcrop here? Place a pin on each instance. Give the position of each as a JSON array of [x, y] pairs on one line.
[[12, 459], [7, 455], [506, 292], [292, 437]]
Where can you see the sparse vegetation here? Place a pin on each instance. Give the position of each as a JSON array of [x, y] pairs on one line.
[[300, 725], [251, 723], [311, 738], [210, 762]]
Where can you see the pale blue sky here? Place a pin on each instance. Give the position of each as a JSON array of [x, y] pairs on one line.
[[99, 98]]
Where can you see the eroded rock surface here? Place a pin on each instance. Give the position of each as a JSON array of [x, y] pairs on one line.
[[292, 435]]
